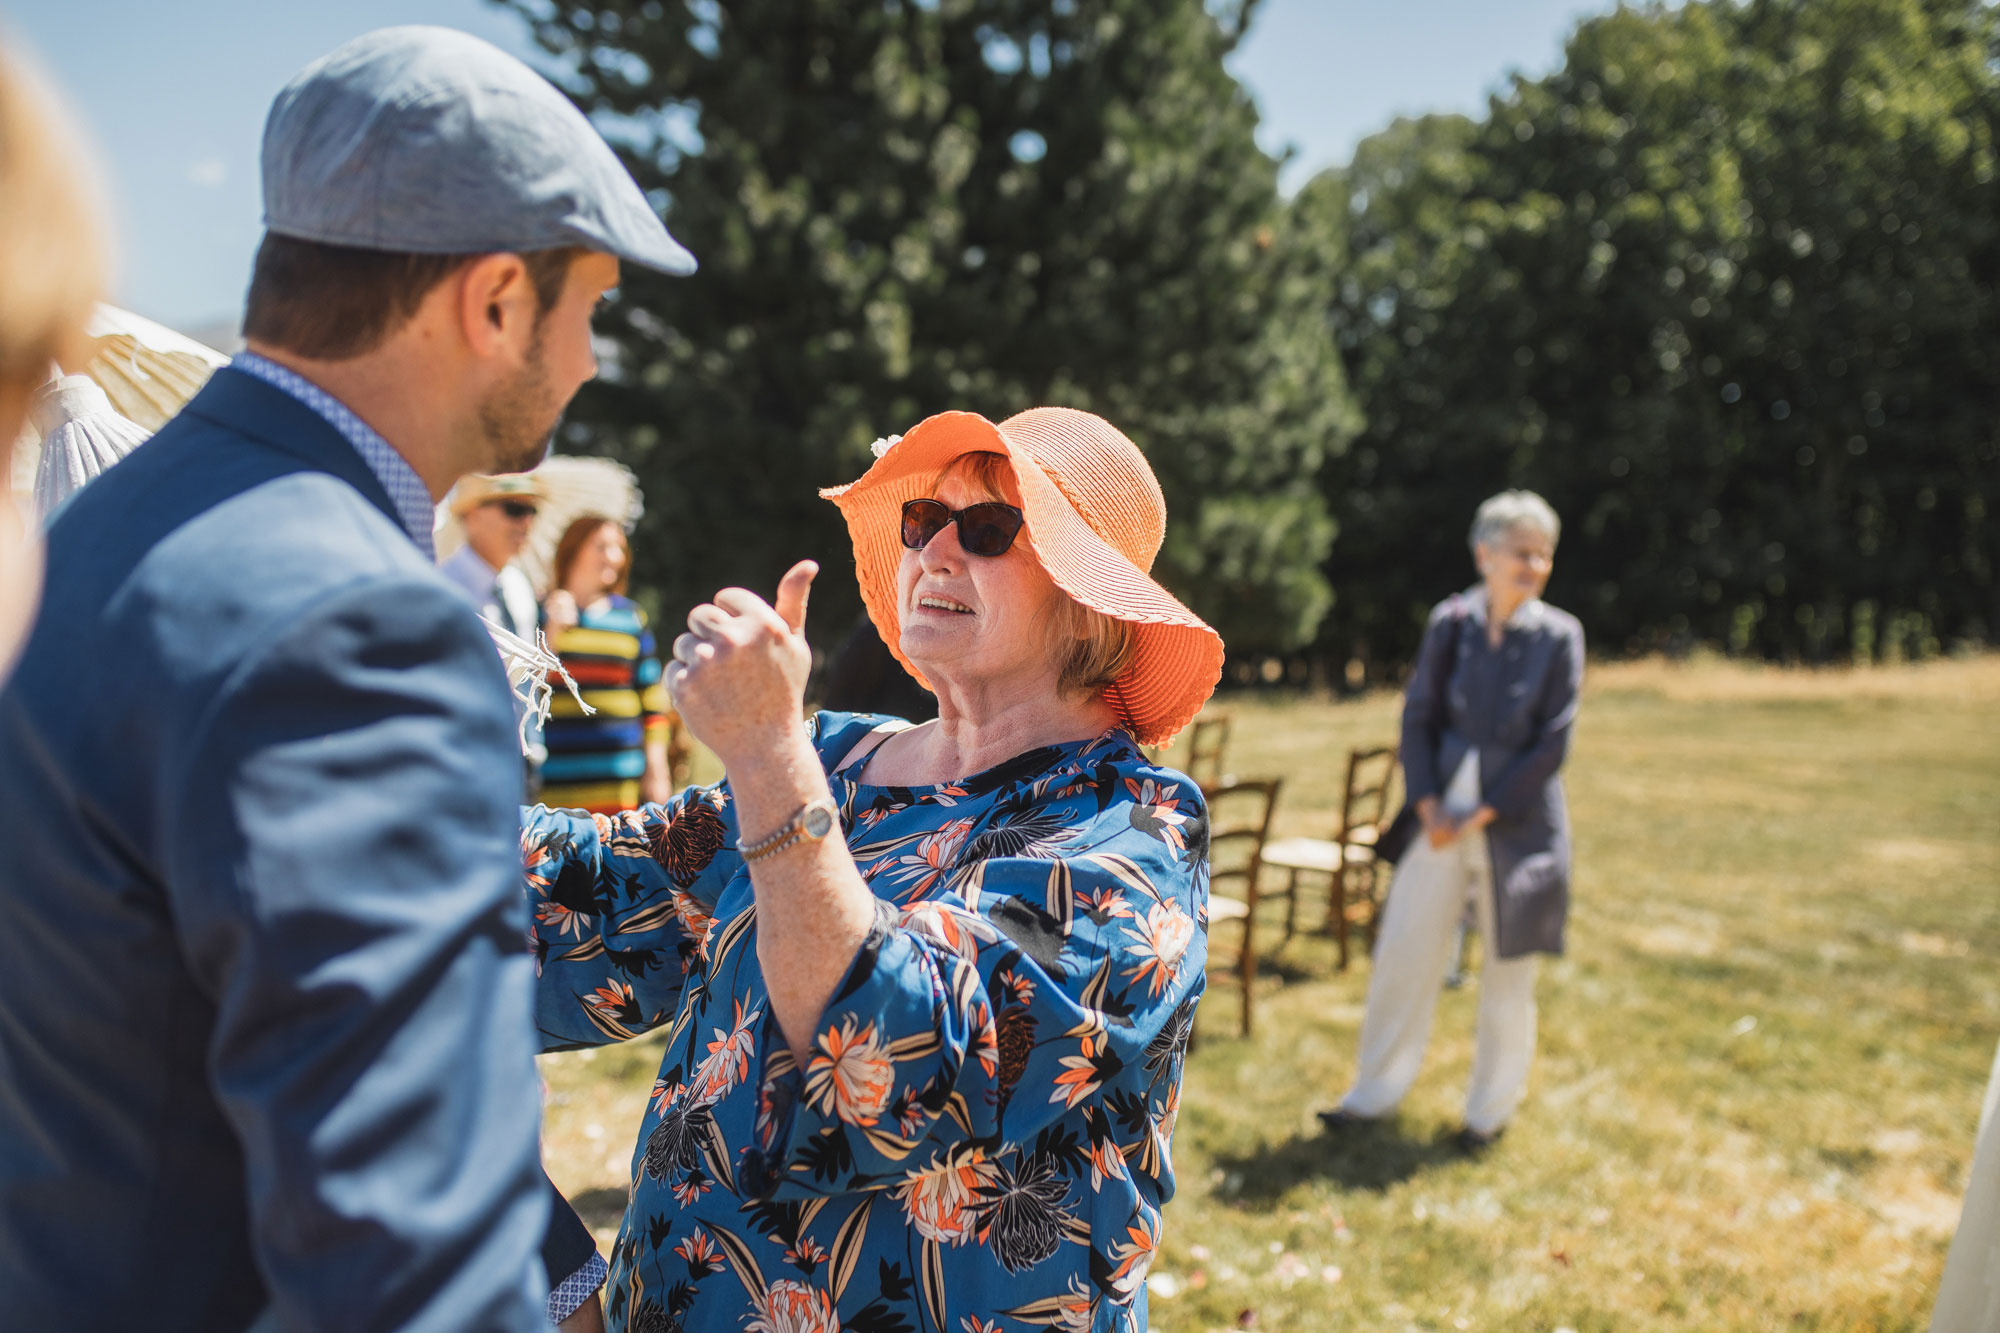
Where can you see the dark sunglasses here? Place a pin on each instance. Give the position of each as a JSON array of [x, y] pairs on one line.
[[518, 509], [983, 529]]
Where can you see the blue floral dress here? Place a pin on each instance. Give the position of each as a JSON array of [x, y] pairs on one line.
[[980, 1138]]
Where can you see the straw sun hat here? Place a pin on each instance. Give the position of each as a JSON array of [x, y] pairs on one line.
[[1095, 519]]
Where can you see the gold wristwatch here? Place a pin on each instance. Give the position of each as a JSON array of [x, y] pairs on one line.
[[812, 823]]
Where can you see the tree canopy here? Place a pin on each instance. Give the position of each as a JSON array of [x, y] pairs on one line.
[[904, 207], [1723, 289]]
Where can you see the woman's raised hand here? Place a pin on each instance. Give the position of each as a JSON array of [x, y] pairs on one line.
[[739, 673], [560, 611]]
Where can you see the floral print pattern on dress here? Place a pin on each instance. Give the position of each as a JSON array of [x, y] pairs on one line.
[[979, 1140]]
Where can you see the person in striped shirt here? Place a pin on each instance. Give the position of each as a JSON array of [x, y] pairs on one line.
[[616, 757]]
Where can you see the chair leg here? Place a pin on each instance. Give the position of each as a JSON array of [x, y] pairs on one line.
[[1247, 972], [1375, 896], [1337, 909], [1291, 905]]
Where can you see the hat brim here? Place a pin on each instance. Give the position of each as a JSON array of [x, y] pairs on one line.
[[461, 505], [1177, 657]]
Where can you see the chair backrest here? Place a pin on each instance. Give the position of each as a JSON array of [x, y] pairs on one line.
[[1364, 806], [1208, 743], [1239, 824]]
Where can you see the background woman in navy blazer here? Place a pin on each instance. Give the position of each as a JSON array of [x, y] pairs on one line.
[[1486, 725]]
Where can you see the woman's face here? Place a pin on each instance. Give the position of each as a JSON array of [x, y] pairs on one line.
[[599, 562], [967, 617], [1516, 565]]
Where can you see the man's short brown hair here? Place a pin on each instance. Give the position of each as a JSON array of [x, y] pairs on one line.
[[332, 302]]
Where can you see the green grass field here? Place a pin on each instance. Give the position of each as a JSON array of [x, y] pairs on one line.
[[1760, 1063]]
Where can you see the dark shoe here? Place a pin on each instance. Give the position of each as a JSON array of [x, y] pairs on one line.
[[1339, 1118], [1474, 1142]]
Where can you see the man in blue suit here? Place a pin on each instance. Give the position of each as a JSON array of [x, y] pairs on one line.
[[265, 1034]]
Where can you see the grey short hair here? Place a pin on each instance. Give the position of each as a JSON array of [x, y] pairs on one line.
[[1502, 513]]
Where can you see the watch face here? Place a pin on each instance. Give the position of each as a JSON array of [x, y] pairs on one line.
[[818, 822]]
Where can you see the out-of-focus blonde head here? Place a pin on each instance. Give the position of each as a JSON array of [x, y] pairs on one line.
[[51, 239], [51, 269]]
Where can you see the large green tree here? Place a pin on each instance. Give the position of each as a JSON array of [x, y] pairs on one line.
[[903, 207], [1724, 288]]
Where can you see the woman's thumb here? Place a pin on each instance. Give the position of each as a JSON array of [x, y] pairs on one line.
[[793, 590]]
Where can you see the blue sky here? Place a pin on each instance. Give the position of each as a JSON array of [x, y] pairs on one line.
[[173, 94]]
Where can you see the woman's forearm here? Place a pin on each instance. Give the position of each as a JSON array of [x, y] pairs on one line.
[[813, 910], [657, 783]]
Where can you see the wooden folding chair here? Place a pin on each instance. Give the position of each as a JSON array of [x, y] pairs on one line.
[[1349, 859], [1208, 745], [1239, 824]]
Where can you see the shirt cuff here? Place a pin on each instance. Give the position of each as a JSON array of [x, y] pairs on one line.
[[570, 1294]]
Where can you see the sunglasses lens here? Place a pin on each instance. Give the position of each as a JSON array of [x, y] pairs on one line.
[[989, 529], [923, 520], [515, 509]]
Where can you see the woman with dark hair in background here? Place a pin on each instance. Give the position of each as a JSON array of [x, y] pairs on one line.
[[616, 757]]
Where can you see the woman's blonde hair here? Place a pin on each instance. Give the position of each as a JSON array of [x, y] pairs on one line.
[[51, 242], [1092, 649]]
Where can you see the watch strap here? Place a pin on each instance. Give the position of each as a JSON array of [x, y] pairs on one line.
[[793, 830]]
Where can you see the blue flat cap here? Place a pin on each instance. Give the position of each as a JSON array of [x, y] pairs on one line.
[[430, 141]]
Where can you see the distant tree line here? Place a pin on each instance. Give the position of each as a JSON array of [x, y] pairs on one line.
[[1722, 287]]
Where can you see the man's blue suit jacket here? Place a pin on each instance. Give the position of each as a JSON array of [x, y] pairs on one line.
[[265, 1000]]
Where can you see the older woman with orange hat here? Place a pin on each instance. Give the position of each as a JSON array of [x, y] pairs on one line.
[[927, 989]]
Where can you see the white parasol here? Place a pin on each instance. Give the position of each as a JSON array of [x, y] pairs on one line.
[[81, 436], [146, 369], [571, 487]]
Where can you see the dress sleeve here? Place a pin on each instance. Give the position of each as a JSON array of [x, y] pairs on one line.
[[621, 904], [974, 1018]]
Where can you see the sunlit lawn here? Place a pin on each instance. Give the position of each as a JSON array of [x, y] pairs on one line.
[[1760, 1064]]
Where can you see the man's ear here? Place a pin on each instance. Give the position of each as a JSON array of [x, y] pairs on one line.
[[497, 306]]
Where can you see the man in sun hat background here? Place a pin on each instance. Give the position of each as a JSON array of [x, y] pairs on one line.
[[498, 514], [265, 1029]]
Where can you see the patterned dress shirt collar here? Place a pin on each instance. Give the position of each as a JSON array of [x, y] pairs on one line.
[[407, 492]]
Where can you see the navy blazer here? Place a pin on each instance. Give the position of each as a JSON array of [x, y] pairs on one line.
[[1516, 705], [266, 1006]]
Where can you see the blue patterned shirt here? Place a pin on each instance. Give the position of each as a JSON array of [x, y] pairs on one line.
[[979, 1141], [407, 491]]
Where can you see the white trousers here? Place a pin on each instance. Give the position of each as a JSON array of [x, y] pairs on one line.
[[1413, 949]]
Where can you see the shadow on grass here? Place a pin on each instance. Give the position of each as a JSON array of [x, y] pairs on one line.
[[600, 1209], [1371, 1155], [1289, 970]]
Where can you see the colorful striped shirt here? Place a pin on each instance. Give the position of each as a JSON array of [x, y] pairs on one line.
[[595, 762]]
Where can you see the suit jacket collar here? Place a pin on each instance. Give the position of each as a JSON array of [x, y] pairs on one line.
[[245, 404]]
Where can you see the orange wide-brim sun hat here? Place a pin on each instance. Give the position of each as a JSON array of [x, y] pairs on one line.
[[1095, 520]]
